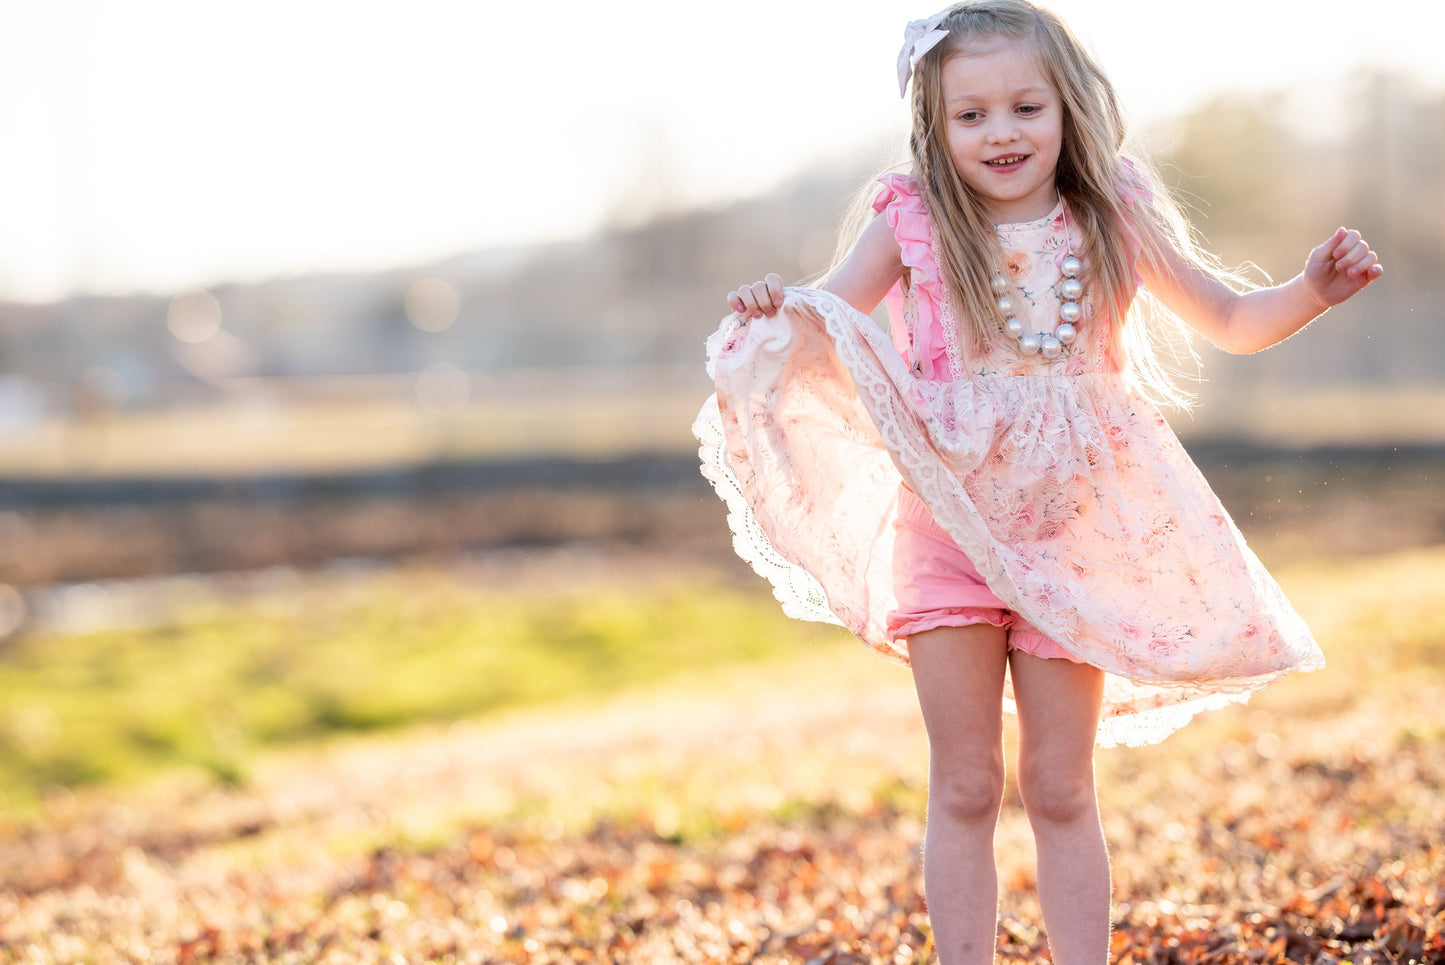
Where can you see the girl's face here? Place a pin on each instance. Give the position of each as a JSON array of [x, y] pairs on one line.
[[1005, 125]]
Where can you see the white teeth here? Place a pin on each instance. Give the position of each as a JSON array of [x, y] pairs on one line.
[[1000, 161]]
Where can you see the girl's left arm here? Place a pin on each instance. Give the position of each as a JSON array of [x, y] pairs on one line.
[[1249, 321]]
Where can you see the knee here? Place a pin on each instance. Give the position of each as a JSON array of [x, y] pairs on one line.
[[969, 795], [1057, 796]]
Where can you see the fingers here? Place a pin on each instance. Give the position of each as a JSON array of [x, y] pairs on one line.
[[1345, 242], [1340, 268], [768, 294], [802, 309], [1352, 256], [758, 299]]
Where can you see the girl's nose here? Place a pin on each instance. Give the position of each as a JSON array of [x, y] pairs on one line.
[[1003, 132]]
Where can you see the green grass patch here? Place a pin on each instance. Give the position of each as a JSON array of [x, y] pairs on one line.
[[217, 684]]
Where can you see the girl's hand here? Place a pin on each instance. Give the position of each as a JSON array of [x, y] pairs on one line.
[[758, 299], [1339, 268]]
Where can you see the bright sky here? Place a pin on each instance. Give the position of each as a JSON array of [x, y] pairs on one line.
[[154, 145]]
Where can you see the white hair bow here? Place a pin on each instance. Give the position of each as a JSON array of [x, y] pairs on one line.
[[919, 37]]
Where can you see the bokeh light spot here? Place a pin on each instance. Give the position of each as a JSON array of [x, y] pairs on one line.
[[194, 317], [443, 389], [432, 304], [86, 608], [12, 610]]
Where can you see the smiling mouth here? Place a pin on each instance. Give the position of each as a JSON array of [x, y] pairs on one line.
[[1007, 161]]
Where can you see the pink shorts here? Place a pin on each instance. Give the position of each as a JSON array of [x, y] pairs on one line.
[[938, 586]]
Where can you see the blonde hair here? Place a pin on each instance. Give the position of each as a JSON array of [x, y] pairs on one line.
[[1109, 229]]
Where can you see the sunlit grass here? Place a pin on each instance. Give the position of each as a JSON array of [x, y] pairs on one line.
[[218, 683]]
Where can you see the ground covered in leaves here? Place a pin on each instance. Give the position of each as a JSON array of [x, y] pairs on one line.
[[772, 813]]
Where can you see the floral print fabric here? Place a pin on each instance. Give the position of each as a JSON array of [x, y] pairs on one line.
[[1070, 494]]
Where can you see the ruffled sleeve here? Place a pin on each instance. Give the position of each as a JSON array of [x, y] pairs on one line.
[[901, 202], [1133, 188]]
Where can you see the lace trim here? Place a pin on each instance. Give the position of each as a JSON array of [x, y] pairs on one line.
[[801, 595], [949, 321]]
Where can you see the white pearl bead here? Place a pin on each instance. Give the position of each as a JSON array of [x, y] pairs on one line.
[[1070, 312], [1066, 333], [1029, 345], [1013, 326], [1050, 347], [1005, 306], [1071, 267], [1000, 284], [1071, 289]]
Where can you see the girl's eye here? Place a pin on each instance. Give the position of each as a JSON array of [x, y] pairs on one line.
[[1028, 109], [968, 117]]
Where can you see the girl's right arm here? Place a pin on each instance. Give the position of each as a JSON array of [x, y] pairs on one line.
[[871, 269]]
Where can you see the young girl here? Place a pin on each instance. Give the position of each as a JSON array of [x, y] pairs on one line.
[[992, 497]]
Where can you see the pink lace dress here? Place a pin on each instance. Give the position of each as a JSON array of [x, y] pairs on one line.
[[1069, 492]]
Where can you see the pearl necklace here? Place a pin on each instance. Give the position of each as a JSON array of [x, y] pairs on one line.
[[1071, 290]]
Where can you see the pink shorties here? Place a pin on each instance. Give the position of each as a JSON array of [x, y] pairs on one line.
[[938, 586]]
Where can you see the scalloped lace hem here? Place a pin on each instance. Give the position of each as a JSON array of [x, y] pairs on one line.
[[794, 587]]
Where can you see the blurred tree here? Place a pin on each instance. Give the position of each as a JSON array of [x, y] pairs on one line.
[[1396, 179], [1264, 192], [1236, 167]]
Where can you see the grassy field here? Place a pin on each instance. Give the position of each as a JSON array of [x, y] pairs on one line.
[[215, 681], [672, 773]]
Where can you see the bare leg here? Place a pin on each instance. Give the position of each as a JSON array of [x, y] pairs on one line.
[[959, 673], [1058, 703]]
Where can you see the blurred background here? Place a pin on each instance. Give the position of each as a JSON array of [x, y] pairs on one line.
[[294, 292]]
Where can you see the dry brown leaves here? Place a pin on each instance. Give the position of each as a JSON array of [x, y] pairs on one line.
[[766, 822]]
